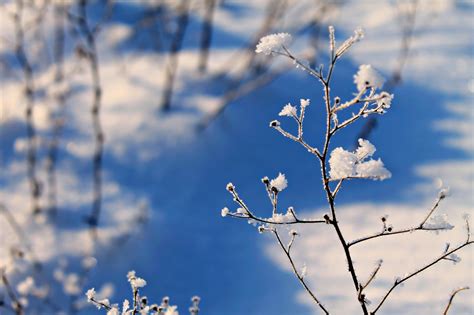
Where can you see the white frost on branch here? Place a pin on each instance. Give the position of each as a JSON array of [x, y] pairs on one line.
[[279, 183], [368, 77], [272, 43], [438, 222], [345, 164]]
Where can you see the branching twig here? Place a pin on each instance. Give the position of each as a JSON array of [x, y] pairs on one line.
[[399, 281]]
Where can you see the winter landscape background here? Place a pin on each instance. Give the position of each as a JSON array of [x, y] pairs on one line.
[[165, 171]]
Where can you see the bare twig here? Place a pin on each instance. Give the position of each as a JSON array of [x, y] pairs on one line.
[[172, 65], [29, 89], [206, 34], [297, 273], [451, 298]]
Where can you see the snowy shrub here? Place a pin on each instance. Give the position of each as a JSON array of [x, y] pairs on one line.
[[338, 167]]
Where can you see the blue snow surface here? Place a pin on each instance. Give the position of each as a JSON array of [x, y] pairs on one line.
[[188, 249]]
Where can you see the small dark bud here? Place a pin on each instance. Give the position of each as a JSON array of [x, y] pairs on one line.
[[337, 100], [154, 307], [266, 180], [389, 229], [367, 83], [275, 190], [144, 300], [274, 123], [326, 217], [384, 219]]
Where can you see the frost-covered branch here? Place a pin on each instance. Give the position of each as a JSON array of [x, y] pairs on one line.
[[139, 304], [337, 165], [436, 224], [399, 281], [273, 188]]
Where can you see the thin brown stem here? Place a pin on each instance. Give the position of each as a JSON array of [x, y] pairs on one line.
[[451, 298], [298, 275]]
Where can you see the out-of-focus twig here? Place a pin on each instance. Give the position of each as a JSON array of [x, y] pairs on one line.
[[206, 34], [172, 64], [451, 298], [29, 89]]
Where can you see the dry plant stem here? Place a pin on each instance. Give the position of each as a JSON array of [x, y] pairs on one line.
[[451, 298], [29, 94], [420, 227], [295, 270], [206, 34], [400, 281], [16, 305], [92, 58], [329, 194], [172, 65], [58, 123]]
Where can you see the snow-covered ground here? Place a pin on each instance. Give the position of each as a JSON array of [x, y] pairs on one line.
[[157, 161]]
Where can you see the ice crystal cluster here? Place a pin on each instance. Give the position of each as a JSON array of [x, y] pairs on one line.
[[273, 43], [345, 164]]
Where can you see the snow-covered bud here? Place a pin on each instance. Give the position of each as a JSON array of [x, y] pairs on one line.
[[279, 183], [144, 300], [154, 307], [196, 299], [230, 187], [90, 294], [293, 233], [165, 301], [443, 193], [274, 123], [261, 229], [337, 100], [266, 180], [225, 212]]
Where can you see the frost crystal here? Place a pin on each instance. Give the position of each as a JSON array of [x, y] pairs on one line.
[[279, 183], [304, 102], [288, 110], [282, 218], [342, 163], [345, 164], [273, 42], [438, 222], [365, 149], [368, 77], [90, 294]]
